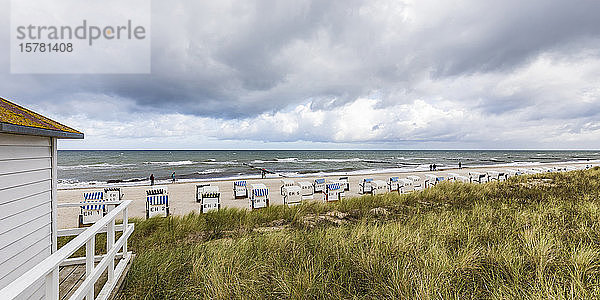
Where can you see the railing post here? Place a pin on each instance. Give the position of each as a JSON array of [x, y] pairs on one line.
[[110, 241], [51, 283], [90, 249], [125, 223]]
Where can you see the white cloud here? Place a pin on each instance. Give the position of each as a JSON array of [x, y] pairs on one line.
[[378, 74]]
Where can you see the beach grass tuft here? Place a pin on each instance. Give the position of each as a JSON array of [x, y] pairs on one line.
[[531, 237]]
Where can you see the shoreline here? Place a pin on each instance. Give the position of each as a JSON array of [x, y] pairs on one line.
[[182, 195], [138, 182]]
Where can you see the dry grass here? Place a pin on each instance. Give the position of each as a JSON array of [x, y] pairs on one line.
[[510, 240]]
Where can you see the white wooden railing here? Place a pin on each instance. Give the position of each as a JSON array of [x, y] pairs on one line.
[[47, 270]]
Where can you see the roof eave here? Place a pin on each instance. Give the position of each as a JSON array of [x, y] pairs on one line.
[[26, 130]]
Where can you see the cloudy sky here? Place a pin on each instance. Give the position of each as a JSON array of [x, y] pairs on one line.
[[372, 74]]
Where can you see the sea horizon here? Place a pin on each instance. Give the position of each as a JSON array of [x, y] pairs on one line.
[[85, 168]]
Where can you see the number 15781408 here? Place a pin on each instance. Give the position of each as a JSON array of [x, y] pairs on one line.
[[46, 47]]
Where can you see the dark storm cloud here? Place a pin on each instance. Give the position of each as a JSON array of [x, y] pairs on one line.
[[487, 36], [242, 60]]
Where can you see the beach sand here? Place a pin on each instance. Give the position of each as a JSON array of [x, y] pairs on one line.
[[182, 196]]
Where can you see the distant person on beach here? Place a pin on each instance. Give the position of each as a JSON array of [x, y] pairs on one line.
[[173, 177], [459, 165], [434, 167], [151, 179], [262, 173], [430, 167]]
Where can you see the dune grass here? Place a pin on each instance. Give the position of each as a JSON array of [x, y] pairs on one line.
[[525, 238]]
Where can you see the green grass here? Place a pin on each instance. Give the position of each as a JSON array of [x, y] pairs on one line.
[[524, 238]]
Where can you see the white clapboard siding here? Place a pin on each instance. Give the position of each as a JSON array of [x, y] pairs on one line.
[[23, 152], [23, 140], [24, 165], [17, 270], [28, 227], [25, 206], [24, 191], [33, 249], [14, 207], [29, 239], [11, 223], [25, 178]]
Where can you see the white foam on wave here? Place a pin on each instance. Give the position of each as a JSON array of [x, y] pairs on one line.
[[210, 171], [95, 166], [276, 160], [172, 163], [214, 162], [289, 159], [333, 160], [73, 184]]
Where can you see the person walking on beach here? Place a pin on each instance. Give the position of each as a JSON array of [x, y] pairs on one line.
[[151, 179], [262, 173], [434, 167], [459, 165], [430, 167], [173, 177]]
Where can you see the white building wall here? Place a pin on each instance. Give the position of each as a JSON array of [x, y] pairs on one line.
[[26, 193]]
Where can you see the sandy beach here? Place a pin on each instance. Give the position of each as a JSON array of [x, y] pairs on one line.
[[182, 195]]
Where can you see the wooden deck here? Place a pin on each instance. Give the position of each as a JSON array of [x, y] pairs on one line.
[[70, 277]]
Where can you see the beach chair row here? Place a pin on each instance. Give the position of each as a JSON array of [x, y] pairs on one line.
[[294, 193], [258, 194], [415, 183], [93, 206]]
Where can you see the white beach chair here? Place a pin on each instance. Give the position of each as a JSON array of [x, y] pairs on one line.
[[560, 168], [157, 202], [286, 182], [451, 176], [157, 205], [439, 179], [342, 184], [209, 197], [345, 182], [259, 196], [364, 187], [379, 187], [496, 175], [511, 172], [477, 177], [546, 169], [92, 208], [319, 185], [527, 171], [240, 189], [292, 195], [113, 194], [463, 179], [405, 185], [333, 192], [306, 190], [393, 184], [454, 177], [417, 185], [537, 170], [158, 190], [430, 180]]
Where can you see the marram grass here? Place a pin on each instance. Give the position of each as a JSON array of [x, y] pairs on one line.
[[526, 238]]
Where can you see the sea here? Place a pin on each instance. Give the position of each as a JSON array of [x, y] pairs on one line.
[[78, 169]]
